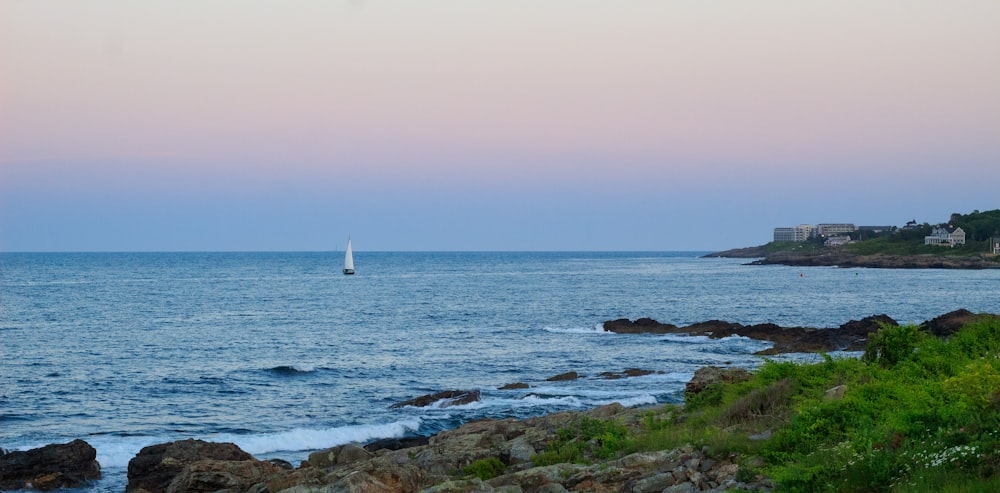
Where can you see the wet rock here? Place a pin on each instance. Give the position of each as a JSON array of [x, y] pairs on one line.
[[570, 375], [515, 386], [67, 465], [450, 398]]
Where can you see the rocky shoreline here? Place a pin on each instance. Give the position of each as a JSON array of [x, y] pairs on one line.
[[452, 460], [850, 336], [837, 257]]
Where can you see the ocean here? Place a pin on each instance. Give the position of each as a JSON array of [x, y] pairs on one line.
[[282, 354]]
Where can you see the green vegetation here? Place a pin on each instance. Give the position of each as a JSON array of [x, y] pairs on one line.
[[917, 413], [589, 439], [485, 469]]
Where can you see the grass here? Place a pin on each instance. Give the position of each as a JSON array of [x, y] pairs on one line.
[[918, 414]]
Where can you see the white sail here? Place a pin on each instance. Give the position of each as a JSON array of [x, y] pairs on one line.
[[349, 259]]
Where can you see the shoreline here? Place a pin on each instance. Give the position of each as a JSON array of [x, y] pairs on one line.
[[837, 257]]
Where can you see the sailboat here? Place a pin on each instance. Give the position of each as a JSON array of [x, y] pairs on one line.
[[349, 259]]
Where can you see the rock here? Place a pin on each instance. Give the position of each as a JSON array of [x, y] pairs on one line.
[[570, 375], [949, 323], [708, 375], [156, 466], [450, 398], [640, 326], [514, 386], [834, 394], [223, 476], [341, 454], [67, 465], [396, 443], [852, 335], [520, 451]]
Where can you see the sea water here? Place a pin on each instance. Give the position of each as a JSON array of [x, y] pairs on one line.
[[282, 354]]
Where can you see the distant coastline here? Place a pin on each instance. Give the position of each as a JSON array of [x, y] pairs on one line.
[[838, 257]]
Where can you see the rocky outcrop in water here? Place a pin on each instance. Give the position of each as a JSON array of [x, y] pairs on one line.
[[851, 336], [447, 398], [67, 465]]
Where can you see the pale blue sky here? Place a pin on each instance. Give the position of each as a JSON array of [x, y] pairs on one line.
[[516, 125]]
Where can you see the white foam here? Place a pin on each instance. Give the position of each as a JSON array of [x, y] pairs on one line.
[[300, 439], [116, 452], [597, 329], [639, 400]]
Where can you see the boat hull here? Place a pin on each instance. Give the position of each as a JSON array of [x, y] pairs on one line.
[[348, 272]]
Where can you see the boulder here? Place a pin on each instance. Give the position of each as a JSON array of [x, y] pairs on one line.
[[570, 375], [708, 375], [67, 465], [156, 466]]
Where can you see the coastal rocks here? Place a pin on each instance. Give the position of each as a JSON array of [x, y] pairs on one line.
[[447, 398], [562, 377], [440, 465], [709, 375], [949, 323], [68, 465], [514, 386], [195, 465], [851, 336]]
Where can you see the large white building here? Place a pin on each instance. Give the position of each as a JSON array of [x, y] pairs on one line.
[[834, 229], [801, 232]]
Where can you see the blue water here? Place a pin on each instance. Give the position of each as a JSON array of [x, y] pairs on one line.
[[281, 354]]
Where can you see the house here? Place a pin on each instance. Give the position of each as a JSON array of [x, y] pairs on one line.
[[995, 245], [942, 235], [837, 241]]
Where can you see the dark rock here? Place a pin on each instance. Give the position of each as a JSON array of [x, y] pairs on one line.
[[851, 336], [570, 375], [514, 386], [67, 465], [949, 323], [396, 443], [640, 326], [451, 398], [156, 466]]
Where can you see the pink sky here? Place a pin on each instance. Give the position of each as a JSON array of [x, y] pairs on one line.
[[459, 105]]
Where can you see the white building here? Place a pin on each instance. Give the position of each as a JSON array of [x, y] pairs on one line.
[[801, 232], [941, 235], [835, 229]]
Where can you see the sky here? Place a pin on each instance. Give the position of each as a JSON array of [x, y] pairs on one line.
[[249, 125]]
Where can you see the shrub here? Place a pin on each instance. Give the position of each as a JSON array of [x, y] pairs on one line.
[[485, 469], [765, 404], [892, 344], [590, 438]]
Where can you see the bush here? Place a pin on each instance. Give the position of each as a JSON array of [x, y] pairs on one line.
[[485, 469], [893, 344]]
